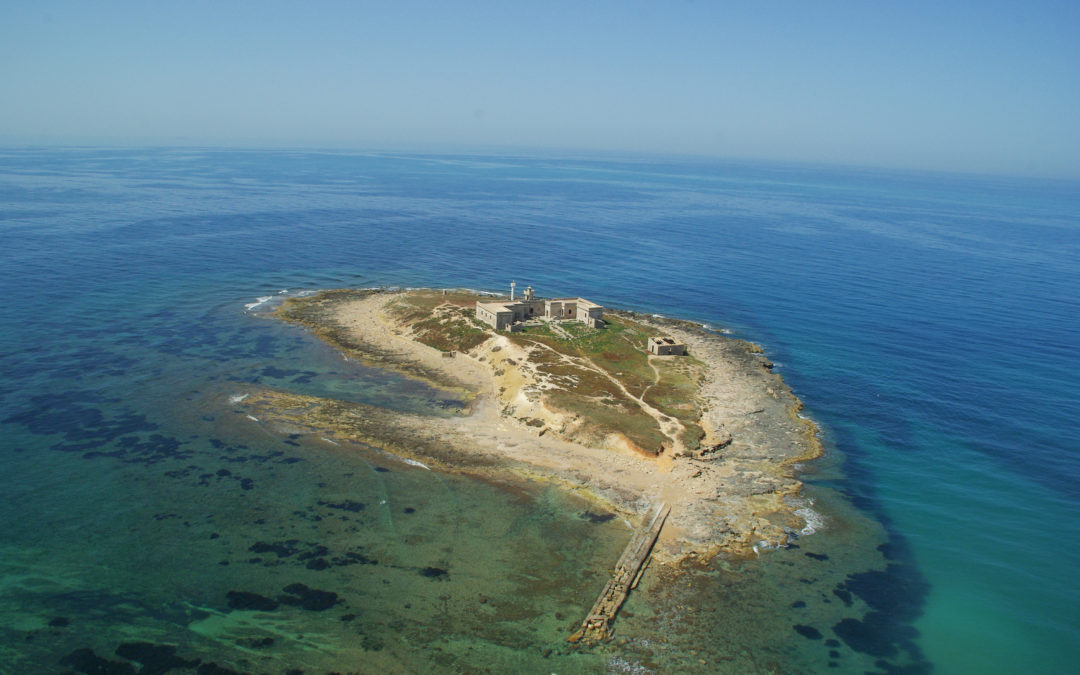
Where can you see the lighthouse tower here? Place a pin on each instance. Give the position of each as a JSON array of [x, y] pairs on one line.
[[512, 285]]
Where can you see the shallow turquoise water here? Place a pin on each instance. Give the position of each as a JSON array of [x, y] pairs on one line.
[[929, 322]]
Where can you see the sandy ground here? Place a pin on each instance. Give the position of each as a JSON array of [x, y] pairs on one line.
[[738, 499]]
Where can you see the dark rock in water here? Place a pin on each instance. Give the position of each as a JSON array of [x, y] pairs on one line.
[[254, 601], [869, 636], [224, 472], [60, 622], [798, 604], [354, 558], [317, 564], [317, 551], [247, 484], [382, 469], [348, 617], [817, 556], [153, 658], [895, 596], [215, 669], [283, 549], [278, 373], [86, 661], [808, 631], [347, 505], [433, 572], [843, 594], [371, 643], [308, 598], [597, 517], [409, 509], [256, 643]]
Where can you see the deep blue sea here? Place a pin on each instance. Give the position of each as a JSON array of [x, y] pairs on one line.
[[930, 323]]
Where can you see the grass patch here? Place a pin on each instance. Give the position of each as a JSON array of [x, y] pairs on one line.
[[618, 349], [604, 419], [538, 330], [676, 392], [446, 321]]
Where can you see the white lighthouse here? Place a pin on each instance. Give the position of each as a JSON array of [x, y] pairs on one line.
[[512, 285]]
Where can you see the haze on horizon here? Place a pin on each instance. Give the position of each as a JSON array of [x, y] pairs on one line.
[[983, 87]]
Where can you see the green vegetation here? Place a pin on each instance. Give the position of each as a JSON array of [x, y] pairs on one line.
[[619, 351], [607, 418], [600, 375], [537, 330], [675, 394], [446, 322]]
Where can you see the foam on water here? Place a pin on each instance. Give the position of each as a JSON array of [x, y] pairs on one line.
[[258, 301], [814, 521], [475, 291]]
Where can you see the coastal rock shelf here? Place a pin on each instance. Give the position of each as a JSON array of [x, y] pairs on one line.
[[598, 624], [713, 433]]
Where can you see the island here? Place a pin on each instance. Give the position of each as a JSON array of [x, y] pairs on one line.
[[629, 410]]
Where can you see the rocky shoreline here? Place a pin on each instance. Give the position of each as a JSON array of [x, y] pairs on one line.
[[733, 493]]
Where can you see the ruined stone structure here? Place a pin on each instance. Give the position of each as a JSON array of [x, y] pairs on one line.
[[504, 315], [665, 346]]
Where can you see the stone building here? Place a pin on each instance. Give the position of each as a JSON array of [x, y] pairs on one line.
[[666, 346], [503, 315]]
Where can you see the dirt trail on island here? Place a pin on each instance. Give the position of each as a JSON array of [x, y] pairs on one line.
[[736, 495]]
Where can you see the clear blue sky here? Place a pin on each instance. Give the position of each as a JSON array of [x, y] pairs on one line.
[[979, 86]]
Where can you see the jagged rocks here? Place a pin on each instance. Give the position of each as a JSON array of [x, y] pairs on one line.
[[713, 444]]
